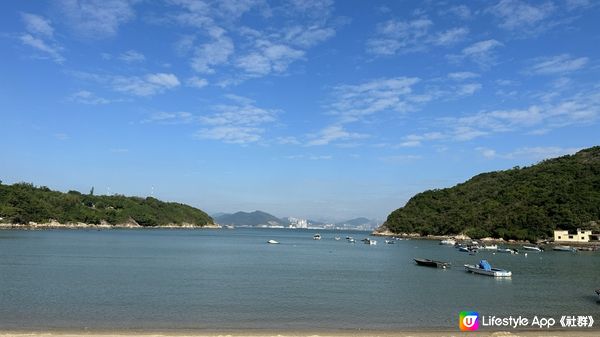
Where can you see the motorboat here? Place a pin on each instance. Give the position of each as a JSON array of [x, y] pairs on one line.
[[273, 242], [337, 238], [484, 268], [390, 242], [490, 247], [317, 236], [533, 248], [564, 249], [432, 263], [369, 241], [448, 242], [507, 250]]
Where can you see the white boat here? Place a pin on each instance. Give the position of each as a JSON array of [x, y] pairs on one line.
[[369, 241], [337, 238], [533, 248], [488, 270], [564, 249], [351, 240], [507, 250], [490, 247], [317, 237], [448, 242], [273, 242], [390, 242]]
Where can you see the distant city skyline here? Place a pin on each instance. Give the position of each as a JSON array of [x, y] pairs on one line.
[[317, 109]]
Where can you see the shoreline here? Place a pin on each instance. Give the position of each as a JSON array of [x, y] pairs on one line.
[[81, 225], [290, 333]]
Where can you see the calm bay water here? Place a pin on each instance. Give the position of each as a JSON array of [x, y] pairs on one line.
[[232, 279]]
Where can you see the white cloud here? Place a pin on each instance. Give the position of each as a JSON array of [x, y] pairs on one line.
[[97, 18], [86, 97], [462, 11], [386, 94], [131, 56], [534, 153], [450, 36], [331, 134], [519, 15], [148, 85], [211, 54], [239, 123], [37, 25], [197, 82], [394, 37], [163, 117], [51, 51], [464, 75], [560, 64], [482, 52], [268, 58], [468, 89], [307, 37]]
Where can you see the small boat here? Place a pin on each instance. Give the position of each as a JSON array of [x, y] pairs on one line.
[[351, 240], [390, 242], [273, 242], [369, 241], [586, 249], [490, 247], [564, 249], [337, 238], [507, 250], [317, 236], [533, 248], [432, 263], [448, 242], [484, 268]]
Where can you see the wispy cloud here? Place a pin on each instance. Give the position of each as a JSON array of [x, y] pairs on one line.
[[333, 133], [212, 54], [87, 97], [464, 75], [534, 153], [197, 82], [481, 53], [148, 85], [522, 16], [96, 18], [557, 65], [395, 37], [162, 117], [131, 56], [40, 36], [240, 122]]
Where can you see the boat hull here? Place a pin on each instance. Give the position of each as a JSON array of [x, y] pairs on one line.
[[432, 263], [494, 272]]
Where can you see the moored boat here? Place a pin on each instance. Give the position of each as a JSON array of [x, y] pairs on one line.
[[390, 242], [317, 236], [432, 263], [564, 249], [490, 247], [507, 250], [448, 242], [484, 268], [273, 242], [533, 248]]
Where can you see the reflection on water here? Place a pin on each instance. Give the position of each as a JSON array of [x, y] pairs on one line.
[[212, 279]]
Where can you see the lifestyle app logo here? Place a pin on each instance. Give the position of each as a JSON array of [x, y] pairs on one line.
[[468, 321]]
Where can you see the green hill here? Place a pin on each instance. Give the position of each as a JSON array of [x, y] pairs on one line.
[[255, 218], [521, 203], [23, 203]]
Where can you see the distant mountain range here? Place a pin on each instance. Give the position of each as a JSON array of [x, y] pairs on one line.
[[260, 218], [256, 218]]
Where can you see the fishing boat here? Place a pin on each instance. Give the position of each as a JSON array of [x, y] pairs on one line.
[[564, 249], [317, 236], [533, 248], [484, 268], [448, 242], [507, 250], [432, 263], [273, 242]]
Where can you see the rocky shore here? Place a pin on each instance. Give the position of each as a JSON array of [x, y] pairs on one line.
[[102, 225]]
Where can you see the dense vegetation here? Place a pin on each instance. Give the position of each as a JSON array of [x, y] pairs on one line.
[[23, 203], [521, 203], [255, 218]]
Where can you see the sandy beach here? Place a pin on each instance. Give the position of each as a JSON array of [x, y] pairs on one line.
[[261, 333]]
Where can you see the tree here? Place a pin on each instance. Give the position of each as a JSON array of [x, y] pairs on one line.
[[92, 191]]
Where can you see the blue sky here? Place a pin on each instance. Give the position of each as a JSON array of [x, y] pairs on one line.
[[319, 109]]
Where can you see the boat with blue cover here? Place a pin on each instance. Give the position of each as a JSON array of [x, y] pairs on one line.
[[485, 268]]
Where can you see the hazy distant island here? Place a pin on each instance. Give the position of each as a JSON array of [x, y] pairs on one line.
[[23, 204], [521, 203], [262, 219]]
